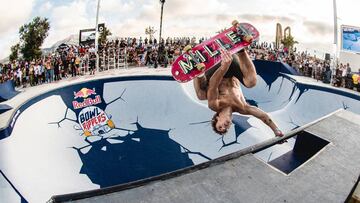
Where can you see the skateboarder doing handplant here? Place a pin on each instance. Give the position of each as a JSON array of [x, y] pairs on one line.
[[221, 87]]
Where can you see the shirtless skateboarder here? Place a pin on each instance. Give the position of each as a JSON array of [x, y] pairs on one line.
[[221, 87]]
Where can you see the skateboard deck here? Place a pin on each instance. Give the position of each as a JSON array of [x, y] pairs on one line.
[[204, 56]]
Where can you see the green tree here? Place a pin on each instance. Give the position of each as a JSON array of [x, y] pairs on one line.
[[32, 36], [289, 42], [103, 35], [14, 52]]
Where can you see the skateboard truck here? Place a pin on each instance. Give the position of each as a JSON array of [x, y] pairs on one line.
[[245, 36]]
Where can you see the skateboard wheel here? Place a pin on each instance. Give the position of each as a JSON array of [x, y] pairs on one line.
[[110, 123], [87, 133], [248, 38], [234, 22], [187, 48], [200, 66], [201, 75]]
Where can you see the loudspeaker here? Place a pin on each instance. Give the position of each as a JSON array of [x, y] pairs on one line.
[[327, 56], [101, 27]]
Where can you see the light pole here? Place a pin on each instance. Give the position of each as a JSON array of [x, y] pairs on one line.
[[161, 17], [162, 8], [97, 36], [335, 45]]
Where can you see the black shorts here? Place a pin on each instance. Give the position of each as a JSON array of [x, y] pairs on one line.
[[234, 71]]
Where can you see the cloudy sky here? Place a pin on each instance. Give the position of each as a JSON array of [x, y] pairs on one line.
[[311, 21]]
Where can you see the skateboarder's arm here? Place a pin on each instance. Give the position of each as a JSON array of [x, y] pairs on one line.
[[213, 101], [215, 80], [200, 93], [217, 77]]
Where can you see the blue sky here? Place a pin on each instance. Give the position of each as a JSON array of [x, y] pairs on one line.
[[311, 21]]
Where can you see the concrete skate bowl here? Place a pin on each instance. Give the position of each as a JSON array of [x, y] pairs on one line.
[[7, 90], [89, 138]]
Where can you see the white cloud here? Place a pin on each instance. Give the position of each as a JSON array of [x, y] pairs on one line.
[[45, 7], [5, 44], [310, 21], [68, 19], [13, 13], [71, 16], [117, 6], [179, 8], [348, 12]]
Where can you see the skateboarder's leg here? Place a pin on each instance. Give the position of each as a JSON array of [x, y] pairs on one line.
[[264, 117], [247, 69], [247, 109]]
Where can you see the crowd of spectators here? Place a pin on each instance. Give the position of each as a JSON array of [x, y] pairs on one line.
[[70, 60], [310, 66], [303, 62], [144, 52], [65, 62]]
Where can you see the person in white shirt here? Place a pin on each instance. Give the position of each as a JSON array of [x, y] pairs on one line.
[[36, 73], [19, 75]]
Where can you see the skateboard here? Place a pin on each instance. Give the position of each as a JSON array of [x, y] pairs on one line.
[[198, 59]]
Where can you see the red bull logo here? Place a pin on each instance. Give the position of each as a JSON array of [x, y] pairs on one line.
[[84, 93], [87, 102]]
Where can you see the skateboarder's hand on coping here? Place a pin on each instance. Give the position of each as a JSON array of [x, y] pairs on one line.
[[226, 58]]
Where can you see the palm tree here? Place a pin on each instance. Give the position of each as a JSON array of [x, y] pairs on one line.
[[103, 35], [289, 42]]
